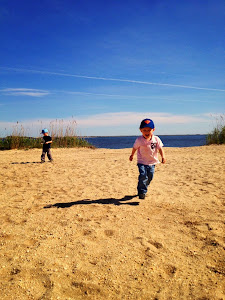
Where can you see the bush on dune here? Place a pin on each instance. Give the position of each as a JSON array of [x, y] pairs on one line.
[[20, 142], [218, 134], [63, 135]]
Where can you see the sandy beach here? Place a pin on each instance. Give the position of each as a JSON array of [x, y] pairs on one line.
[[75, 228]]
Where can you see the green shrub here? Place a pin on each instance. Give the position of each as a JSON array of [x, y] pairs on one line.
[[63, 135], [218, 134], [70, 142], [20, 142]]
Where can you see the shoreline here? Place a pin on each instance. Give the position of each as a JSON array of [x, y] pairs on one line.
[[93, 136]]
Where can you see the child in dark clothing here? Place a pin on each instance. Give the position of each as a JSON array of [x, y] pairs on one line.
[[46, 146]]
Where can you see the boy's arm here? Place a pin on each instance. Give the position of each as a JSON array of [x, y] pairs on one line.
[[162, 153], [49, 142], [132, 154]]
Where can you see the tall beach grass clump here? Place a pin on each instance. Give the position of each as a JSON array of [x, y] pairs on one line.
[[217, 136], [64, 135]]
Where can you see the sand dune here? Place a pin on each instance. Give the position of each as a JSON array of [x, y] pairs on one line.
[[74, 229]]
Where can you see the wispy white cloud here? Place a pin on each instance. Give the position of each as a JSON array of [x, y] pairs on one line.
[[131, 118], [112, 79], [123, 120], [134, 96], [115, 119], [24, 92], [42, 93]]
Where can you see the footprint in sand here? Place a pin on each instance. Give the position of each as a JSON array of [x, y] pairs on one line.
[[150, 245], [87, 289], [203, 232], [41, 283], [109, 232], [170, 270]]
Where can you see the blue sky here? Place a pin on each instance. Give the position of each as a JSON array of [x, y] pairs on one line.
[[109, 64]]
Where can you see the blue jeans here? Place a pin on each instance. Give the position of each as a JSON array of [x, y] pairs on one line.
[[145, 177]]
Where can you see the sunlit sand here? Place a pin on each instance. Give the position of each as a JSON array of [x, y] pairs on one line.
[[75, 229]]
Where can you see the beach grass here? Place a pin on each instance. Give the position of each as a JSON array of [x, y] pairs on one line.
[[64, 135], [22, 142], [217, 136]]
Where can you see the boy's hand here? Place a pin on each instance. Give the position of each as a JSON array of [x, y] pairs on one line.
[[163, 160], [131, 157]]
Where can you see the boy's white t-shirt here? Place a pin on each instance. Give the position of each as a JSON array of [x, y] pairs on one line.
[[147, 151]]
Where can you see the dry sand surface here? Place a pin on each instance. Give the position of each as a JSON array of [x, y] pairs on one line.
[[74, 228]]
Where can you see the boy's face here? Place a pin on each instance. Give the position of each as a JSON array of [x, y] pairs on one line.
[[45, 134], [147, 132]]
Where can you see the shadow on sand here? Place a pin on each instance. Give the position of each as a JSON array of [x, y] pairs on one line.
[[99, 201], [29, 162], [26, 162]]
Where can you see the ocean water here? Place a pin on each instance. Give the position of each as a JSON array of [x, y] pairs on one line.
[[120, 142]]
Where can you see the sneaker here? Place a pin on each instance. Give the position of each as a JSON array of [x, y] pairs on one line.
[[141, 196]]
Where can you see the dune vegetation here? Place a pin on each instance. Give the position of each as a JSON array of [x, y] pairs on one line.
[[64, 135], [217, 136]]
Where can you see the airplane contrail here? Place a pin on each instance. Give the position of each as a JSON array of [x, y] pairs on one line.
[[112, 79]]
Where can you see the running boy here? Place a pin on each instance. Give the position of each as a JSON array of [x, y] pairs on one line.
[[147, 147], [46, 146]]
